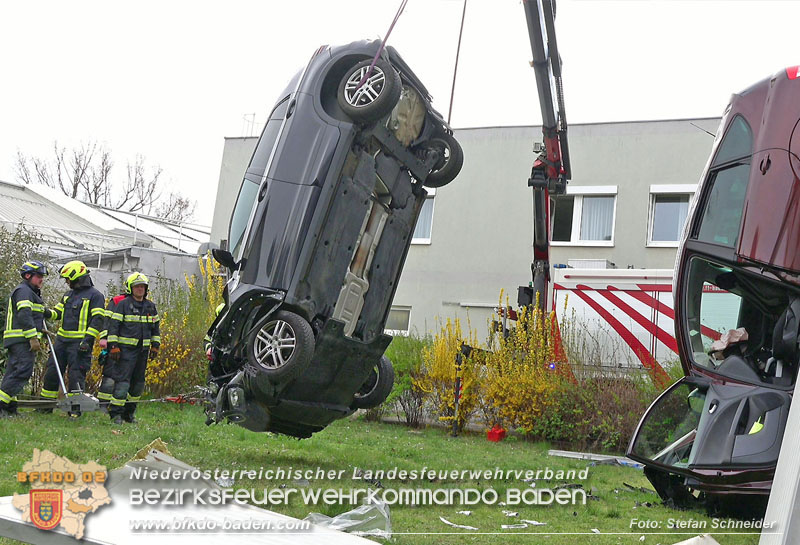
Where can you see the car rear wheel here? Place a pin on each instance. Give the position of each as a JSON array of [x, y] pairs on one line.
[[281, 345], [377, 387], [451, 159], [376, 95]]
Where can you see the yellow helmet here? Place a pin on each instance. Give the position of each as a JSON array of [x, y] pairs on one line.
[[135, 279], [73, 270]]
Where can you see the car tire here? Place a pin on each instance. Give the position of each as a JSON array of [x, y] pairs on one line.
[[281, 345], [375, 98], [377, 387], [451, 159]]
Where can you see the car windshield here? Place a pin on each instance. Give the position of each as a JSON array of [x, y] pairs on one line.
[[730, 317], [252, 179], [241, 215]]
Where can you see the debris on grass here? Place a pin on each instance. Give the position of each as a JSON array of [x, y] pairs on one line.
[[454, 525], [568, 486], [533, 522], [513, 526], [510, 513], [638, 489], [596, 458], [156, 444], [464, 512]]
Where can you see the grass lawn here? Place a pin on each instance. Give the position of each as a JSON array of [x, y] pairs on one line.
[[354, 443]]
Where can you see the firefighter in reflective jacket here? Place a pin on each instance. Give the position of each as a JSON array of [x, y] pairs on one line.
[[106, 390], [24, 326], [81, 310], [133, 336]]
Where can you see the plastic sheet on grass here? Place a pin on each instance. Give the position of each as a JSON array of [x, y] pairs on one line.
[[371, 519]]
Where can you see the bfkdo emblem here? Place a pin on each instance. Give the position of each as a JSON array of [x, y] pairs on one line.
[[46, 508]]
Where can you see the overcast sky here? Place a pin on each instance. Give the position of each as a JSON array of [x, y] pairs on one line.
[[170, 79]]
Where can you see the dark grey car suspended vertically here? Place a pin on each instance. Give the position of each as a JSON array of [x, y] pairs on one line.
[[318, 238]]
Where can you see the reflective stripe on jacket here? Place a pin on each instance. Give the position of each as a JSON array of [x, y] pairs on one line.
[[131, 322], [82, 311], [112, 304], [25, 315]]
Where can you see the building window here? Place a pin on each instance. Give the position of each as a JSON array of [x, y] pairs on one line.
[[398, 320], [669, 207], [424, 227], [585, 216]]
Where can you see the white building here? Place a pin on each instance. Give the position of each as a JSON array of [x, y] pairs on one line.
[[625, 206]]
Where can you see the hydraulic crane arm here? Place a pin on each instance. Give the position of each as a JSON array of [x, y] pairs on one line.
[[551, 169]]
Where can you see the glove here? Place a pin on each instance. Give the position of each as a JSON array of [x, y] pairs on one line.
[[103, 343], [153, 352], [35, 344], [114, 353], [85, 346], [102, 359]]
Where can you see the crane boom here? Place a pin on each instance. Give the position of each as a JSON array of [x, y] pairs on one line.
[[551, 171]]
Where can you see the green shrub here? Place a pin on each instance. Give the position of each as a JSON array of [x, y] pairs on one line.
[[406, 354]]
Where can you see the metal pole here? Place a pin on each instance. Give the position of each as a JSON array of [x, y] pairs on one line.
[[457, 393], [55, 360]]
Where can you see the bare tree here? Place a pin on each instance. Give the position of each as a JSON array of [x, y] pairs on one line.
[[175, 207], [85, 173]]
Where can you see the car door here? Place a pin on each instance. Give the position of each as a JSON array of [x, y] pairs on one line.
[[699, 424]]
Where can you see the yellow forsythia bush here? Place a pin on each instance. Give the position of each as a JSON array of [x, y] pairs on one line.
[[521, 379], [438, 376]]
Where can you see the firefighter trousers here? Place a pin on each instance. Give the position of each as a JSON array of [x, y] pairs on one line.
[[19, 368], [70, 360], [106, 390], [128, 375]]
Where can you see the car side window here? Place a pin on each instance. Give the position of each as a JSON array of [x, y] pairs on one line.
[[726, 188]]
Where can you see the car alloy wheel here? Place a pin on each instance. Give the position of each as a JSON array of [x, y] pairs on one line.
[[275, 344], [369, 91], [365, 99]]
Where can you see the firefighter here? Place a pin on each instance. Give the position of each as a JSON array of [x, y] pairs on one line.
[[106, 390], [133, 337], [24, 326], [81, 310]]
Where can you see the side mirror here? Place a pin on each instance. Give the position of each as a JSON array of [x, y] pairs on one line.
[[224, 258]]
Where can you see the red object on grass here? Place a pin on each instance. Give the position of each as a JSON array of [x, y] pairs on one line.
[[496, 434]]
